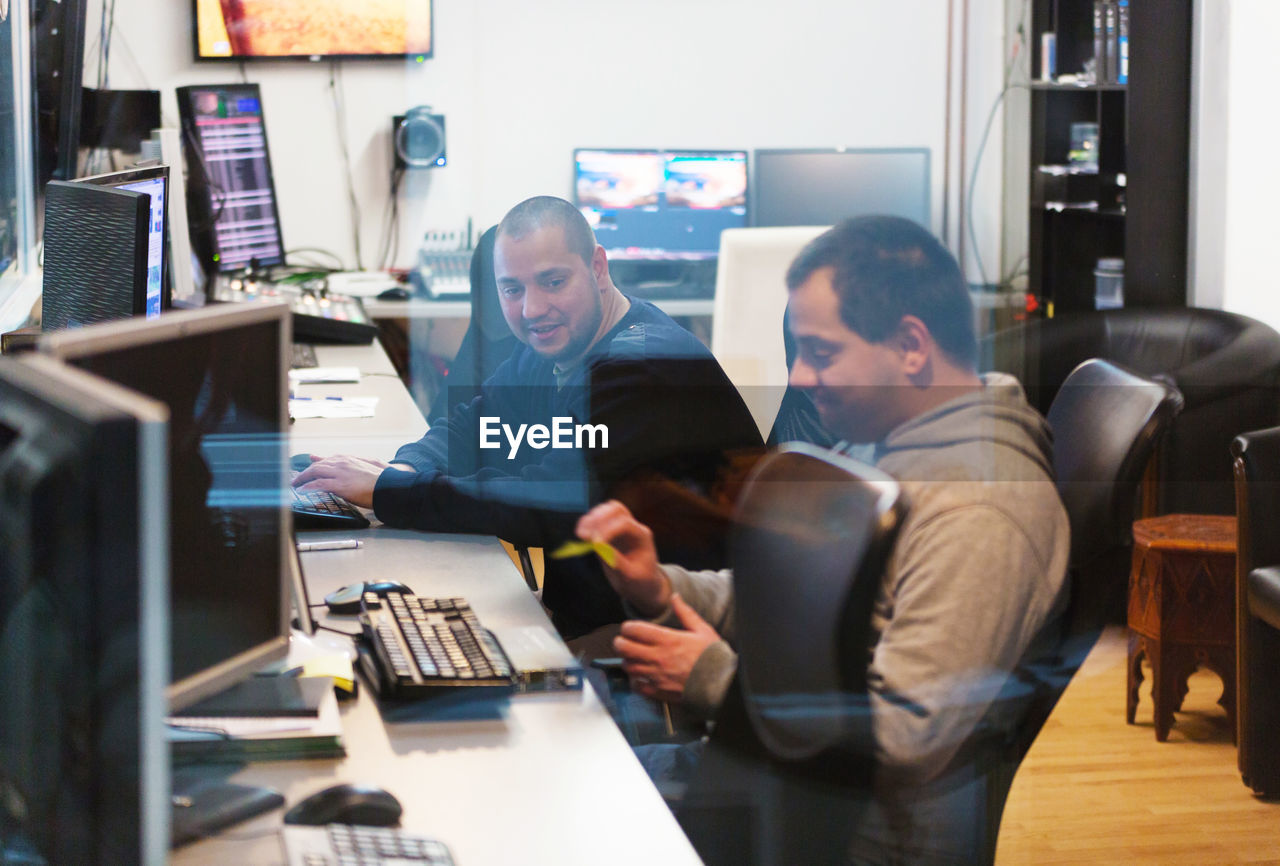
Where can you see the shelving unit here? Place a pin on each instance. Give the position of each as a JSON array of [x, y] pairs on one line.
[[1134, 205]]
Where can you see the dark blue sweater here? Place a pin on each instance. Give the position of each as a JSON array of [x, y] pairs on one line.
[[669, 410]]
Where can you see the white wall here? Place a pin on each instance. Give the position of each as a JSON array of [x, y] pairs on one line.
[[1236, 176], [521, 84]]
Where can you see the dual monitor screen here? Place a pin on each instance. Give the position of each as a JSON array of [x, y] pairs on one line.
[[673, 204]]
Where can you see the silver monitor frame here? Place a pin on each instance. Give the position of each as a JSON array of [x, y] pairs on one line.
[[125, 334], [152, 418]]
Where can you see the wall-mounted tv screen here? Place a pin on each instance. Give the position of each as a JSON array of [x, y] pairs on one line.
[[312, 29]]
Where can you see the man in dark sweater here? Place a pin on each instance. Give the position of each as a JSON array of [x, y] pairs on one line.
[[605, 392]]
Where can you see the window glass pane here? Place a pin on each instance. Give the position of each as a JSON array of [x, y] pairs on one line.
[[8, 153]]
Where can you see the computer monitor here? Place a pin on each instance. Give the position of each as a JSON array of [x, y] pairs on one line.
[[57, 36], [272, 30], [105, 251], [661, 205], [84, 765], [231, 195], [154, 182], [222, 373], [821, 187]]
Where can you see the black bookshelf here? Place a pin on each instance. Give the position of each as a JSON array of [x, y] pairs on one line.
[[1134, 206]]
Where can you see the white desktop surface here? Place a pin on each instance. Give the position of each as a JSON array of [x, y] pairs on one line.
[[541, 779], [396, 420]]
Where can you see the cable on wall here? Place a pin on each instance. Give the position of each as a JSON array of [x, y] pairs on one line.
[[340, 116], [1008, 86], [390, 245]]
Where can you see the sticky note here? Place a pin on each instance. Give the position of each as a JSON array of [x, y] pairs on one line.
[[582, 548]]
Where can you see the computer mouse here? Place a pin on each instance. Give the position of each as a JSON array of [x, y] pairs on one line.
[[298, 462], [347, 599], [347, 803], [395, 293]]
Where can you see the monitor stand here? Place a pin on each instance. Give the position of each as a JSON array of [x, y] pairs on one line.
[[204, 803]]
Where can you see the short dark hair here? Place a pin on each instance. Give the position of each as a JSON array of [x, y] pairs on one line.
[[543, 211], [888, 267]]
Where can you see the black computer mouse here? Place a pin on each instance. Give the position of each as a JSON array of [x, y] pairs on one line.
[[347, 803], [347, 599], [395, 293], [298, 462]]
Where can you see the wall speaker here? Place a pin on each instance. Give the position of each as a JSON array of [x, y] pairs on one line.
[[417, 139]]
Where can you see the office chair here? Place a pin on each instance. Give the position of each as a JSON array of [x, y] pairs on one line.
[[751, 297], [1106, 423], [488, 340], [1257, 478], [812, 532], [797, 419]]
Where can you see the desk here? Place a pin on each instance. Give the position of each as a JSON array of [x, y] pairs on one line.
[[421, 308], [547, 779], [396, 419]]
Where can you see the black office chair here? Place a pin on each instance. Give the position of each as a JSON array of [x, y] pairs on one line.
[[1257, 478], [488, 340], [797, 419], [1106, 422], [486, 344], [812, 532]]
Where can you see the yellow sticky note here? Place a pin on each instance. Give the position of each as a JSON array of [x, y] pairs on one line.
[[333, 665], [582, 548]]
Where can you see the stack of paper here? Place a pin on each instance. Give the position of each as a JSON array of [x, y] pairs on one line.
[[203, 738]]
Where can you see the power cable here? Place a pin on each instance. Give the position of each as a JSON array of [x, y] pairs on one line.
[[341, 119]]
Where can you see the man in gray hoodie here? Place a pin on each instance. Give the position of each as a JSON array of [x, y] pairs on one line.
[[883, 324]]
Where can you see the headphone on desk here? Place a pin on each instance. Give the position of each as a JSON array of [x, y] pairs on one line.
[[418, 138]]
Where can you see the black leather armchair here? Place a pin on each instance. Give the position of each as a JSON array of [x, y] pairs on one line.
[[1257, 470], [1226, 366]]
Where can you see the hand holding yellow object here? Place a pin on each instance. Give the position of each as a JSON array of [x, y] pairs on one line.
[[582, 548]]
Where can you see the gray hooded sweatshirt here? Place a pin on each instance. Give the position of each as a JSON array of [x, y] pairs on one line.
[[976, 574]]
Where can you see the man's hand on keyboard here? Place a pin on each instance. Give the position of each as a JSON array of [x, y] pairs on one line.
[[352, 478]]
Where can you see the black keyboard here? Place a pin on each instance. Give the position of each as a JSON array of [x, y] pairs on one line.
[[320, 509], [304, 356], [354, 845], [416, 647]]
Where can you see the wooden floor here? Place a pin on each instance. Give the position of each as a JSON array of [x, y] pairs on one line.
[[1095, 790]]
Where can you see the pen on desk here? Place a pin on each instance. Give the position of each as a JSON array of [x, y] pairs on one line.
[[309, 399], [339, 544]]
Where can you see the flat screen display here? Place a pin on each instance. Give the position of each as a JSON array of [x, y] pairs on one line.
[[312, 29], [232, 185], [106, 259], [221, 373], [661, 204], [155, 188], [83, 640], [823, 187]]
